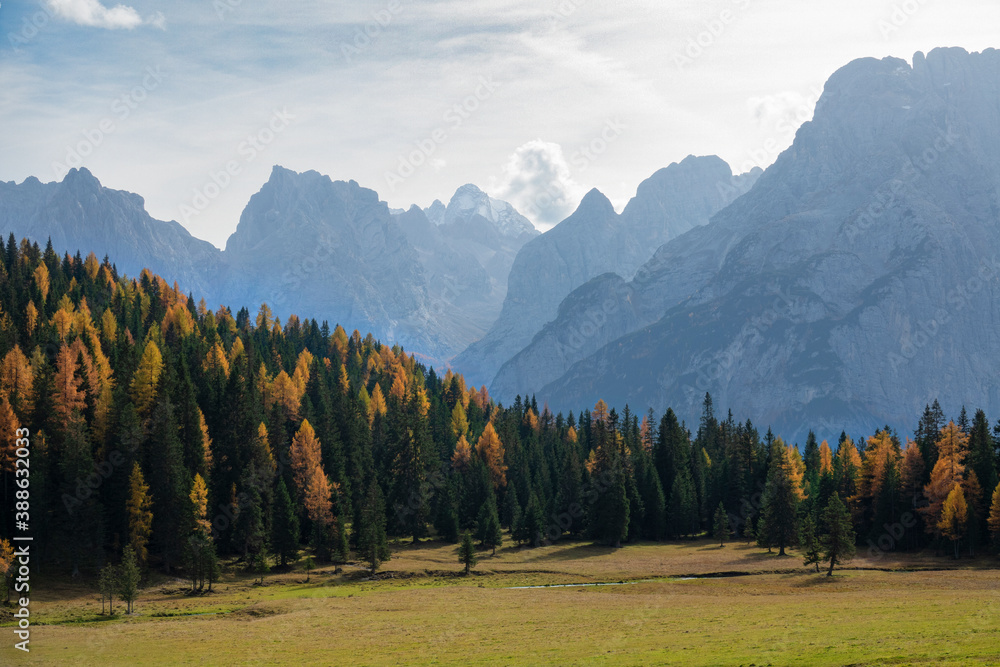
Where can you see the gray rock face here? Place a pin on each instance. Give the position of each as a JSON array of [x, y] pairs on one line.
[[858, 279], [592, 241], [305, 245], [80, 214]]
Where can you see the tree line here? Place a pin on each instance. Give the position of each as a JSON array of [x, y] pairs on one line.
[[186, 434]]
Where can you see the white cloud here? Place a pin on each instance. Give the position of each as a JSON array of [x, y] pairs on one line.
[[787, 108], [92, 13], [537, 182]]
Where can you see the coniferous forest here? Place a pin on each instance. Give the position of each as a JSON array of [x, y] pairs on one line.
[[182, 437]]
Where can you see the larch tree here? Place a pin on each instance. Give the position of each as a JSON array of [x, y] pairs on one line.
[[994, 519], [306, 456], [948, 472], [491, 450], [140, 515], [954, 517], [147, 377]]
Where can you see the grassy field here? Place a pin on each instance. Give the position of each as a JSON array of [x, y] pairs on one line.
[[896, 611]]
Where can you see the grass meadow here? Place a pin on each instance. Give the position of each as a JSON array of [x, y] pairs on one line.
[[768, 610]]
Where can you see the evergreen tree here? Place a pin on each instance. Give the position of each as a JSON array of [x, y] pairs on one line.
[[108, 586], [285, 527], [467, 552], [839, 540], [782, 494], [721, 525], [488, 526], [128, 579], [372, 545], [808, 541]]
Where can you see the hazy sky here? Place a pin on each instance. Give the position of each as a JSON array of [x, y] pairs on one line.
[[190, 103]]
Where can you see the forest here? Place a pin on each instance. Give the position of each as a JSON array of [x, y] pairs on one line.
[[183, 436]]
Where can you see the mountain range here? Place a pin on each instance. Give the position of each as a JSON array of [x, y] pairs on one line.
[[849, 284]]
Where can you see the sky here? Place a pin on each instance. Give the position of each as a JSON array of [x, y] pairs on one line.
[[190, 104]]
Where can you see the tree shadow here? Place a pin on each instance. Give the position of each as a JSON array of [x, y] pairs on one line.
[[575, 552]]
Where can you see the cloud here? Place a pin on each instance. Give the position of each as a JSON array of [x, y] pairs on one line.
[[787, 108], [93, 14], [537, 182]]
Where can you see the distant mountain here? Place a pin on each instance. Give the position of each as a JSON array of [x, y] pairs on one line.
[[307, 245], [858, 280], [80, 214], [595, 240]]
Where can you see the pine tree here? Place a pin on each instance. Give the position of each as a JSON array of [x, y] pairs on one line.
[[721, 525], [372, 545], [128, 579], [108, 586], [782, 494], [285, 526], [808, 542], [839, 540], [467, 552], [488, 526]]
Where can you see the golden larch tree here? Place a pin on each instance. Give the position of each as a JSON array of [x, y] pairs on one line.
[[199, 506], [459, 422], [305, 454], [140, 513], [317, 497], [8, 434], [17, 380], [490, 449], [825, 459], [954, 516], [462, 456], [994, 519], [67, 396], [146, 377]]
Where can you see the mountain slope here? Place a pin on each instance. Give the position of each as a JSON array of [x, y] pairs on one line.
[[595, 240], [80, 214], [858, 279]]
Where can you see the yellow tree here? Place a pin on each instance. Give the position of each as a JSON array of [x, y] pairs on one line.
[[305, 455], [954, 516], [8, 434], [317, 497], [140, 514], [17, 379], [199, 506], [948, 472], [463, 454], [376, 406], [491, 450], [67, 396], [825, 459], [146, 377], [42, 280], [6, 563], [459, 422], [994, 520]]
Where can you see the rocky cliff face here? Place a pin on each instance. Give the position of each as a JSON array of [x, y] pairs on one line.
[[857, 281], [80, 214], [595, 240], [306, 245]]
